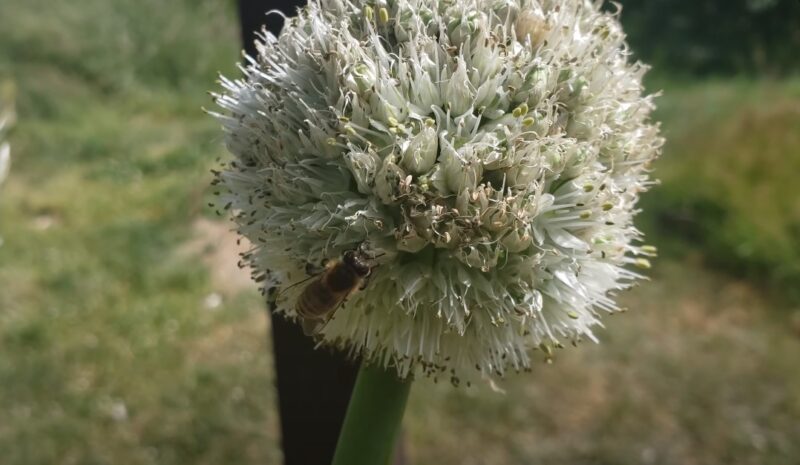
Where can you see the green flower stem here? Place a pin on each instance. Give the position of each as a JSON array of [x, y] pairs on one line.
[[373, 418]]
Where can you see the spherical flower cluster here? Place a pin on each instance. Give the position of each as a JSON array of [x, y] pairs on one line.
[[489, 152]]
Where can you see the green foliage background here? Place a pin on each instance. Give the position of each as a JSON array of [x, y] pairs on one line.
[[715, 37]]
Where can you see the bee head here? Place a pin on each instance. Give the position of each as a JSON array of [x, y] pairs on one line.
[[357, 262]]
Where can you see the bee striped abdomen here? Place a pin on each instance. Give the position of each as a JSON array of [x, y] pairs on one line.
[[316, 300]]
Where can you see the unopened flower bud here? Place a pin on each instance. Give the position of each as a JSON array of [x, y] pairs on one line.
[[459, 95], [388, 179], [515, 241], [460, 172], [419, 153], [411, 242], [364, 166], [361, 77]]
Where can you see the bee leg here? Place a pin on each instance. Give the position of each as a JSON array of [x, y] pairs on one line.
[[367, 279]]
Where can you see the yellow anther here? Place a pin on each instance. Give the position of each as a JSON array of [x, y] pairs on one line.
[[520, 110], [649, 249]]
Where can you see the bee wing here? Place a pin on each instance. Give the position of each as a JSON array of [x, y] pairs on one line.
[[312, 327], [313, 271]]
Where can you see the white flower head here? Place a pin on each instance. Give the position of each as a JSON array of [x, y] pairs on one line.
[[490, 152]]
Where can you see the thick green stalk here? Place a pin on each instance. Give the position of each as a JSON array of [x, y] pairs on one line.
[[373, 418]]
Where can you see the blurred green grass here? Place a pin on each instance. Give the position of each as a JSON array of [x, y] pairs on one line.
[[728, 173], [115, 351]]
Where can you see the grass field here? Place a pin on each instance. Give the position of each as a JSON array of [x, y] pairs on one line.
[[128, 336]]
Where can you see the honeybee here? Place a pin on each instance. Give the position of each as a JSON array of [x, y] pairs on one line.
[[329, 288]]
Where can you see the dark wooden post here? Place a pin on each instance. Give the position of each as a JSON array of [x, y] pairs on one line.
[[314, 386]]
